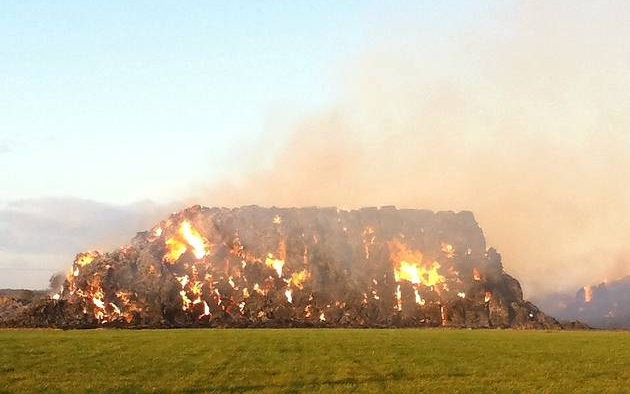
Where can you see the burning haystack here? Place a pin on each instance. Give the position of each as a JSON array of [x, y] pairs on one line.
[[294, 267]]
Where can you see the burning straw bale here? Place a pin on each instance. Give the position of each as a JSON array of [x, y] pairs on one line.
[[294, 267]]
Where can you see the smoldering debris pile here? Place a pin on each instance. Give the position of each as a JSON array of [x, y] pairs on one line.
[[293, 267], [606, 305], [14, 302]]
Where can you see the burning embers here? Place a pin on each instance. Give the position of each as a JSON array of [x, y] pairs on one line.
[[217, 292], [225, 268]]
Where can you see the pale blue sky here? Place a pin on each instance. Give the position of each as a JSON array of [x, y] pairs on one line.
[[121, 102], [125, 102]]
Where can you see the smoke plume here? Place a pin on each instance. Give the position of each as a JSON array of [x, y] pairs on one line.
[[521, 116]]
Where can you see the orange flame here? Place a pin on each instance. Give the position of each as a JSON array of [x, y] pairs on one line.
[[97, 299], [186, 302], [187, 236], [175, 250], [276, 264], [408, 266], [419, 299], [183, 280], [411, 272], [588, 294], [86, 258], [487, 297], [194, 239], [299, 278]]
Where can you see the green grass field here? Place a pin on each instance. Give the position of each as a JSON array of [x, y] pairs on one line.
[[313, 361]]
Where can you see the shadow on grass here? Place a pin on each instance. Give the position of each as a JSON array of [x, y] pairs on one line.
[[289, 387]]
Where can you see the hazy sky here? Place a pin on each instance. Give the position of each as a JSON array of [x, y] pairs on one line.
[[111, 115]]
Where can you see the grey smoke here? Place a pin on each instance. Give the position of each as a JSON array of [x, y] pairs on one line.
[[522, 118], [39, 237]]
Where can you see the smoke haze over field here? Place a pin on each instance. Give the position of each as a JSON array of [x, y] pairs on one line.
[[525, 122]]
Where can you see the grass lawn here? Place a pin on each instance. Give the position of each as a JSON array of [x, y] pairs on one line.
[[313, 361]]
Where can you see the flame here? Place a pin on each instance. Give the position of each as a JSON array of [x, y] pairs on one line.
[[408, 266], [289, 295], [461, 294], [368, 233], [407, 271], [411, 272], [398, 298], [476, 275], [258, 290], [196, 288], [123, 296], [277, 219], [276, 264], [86, 258], [186, 302], [183, 280], [487, 296], [115, 308], [175, 250], [419, 300], [187, 236], [322, 317], [97, 299], [194, 239], [299, 278], [588, 294]]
